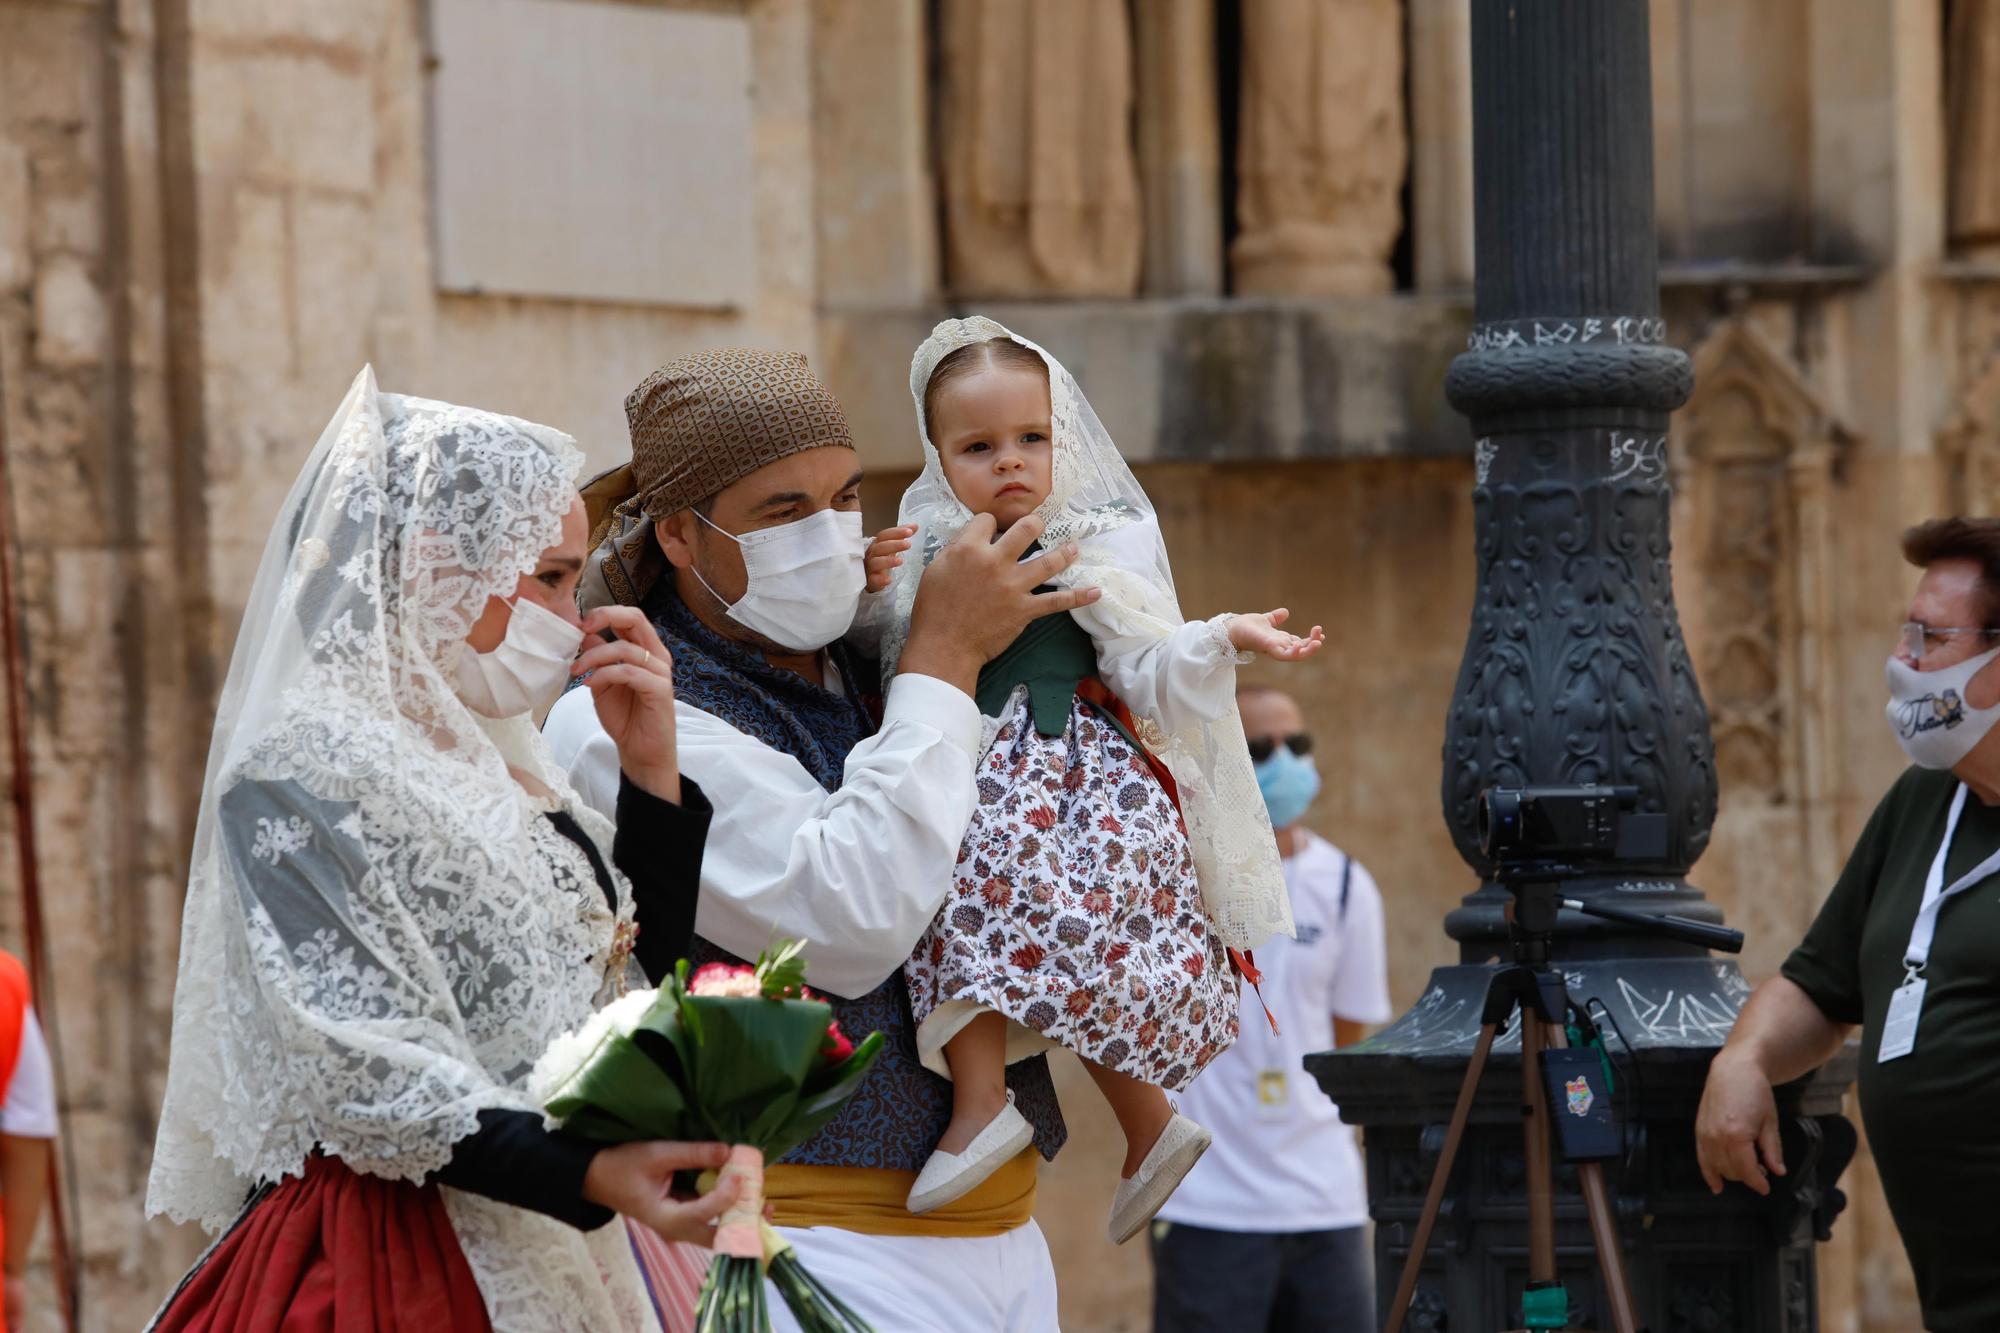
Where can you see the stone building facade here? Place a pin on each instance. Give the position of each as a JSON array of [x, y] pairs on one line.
[[1245, 224]]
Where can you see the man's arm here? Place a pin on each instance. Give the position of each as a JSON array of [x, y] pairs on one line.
[[856, 873], [1781, 1035], [27, 1134], [1361, 986], [24, 1184]]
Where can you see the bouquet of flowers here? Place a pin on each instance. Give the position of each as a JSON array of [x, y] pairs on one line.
[[744, 1055]]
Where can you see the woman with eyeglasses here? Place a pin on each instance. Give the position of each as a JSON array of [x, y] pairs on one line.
[[1905, 947]]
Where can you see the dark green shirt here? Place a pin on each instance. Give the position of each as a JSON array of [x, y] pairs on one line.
[[1933, 1116]]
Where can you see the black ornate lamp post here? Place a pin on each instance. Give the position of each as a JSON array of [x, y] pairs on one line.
[[1575, 672]]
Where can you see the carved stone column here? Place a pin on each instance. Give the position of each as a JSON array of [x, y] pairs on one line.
[[1972, 91], [1035, 132], [1441, 143], [1322, 148], [1970, 448], [877, 203], [1180, 146], [1575, 672]]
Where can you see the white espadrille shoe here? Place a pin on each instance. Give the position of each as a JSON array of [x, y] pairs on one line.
[[948, 1176], [1173, 1155]]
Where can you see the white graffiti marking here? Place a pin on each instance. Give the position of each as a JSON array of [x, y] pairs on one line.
[[1624, 330], [1638, 455], [1679, 1016]]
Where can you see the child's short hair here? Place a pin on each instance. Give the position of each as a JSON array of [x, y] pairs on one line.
[[962, 361]]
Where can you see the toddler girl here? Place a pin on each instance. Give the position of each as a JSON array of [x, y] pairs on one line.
[[1120, 851]]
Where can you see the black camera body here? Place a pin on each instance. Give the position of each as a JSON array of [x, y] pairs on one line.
[[1587, 824]]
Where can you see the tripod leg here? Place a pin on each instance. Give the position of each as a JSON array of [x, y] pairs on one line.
[[1406, 1288], [1610, 1260], [1535, 1150], [1603, 1231]]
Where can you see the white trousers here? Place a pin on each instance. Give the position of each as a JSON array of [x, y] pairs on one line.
[[932, 1284]]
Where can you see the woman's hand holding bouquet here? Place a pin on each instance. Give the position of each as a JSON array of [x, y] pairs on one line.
[[746, 1056], [636, 1180]]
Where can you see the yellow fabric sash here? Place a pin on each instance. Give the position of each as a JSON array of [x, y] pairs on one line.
[[873, 1201]]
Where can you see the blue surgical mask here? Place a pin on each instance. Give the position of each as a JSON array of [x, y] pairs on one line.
[[1289, 783]]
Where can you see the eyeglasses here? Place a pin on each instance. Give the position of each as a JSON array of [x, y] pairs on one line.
[[1920, 638], [1263, 747]]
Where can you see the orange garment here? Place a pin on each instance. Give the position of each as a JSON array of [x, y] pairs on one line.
[[14, 998]]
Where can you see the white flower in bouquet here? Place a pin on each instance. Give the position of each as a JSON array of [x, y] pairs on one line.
[[571, 1053]]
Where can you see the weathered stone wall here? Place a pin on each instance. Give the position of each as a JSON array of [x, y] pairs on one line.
[[313, 179], [86, 412]]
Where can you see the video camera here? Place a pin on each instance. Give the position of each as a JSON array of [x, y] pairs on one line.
[[1538, 837], [1580, 824]]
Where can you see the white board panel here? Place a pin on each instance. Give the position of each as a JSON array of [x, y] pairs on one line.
[[593, 150]]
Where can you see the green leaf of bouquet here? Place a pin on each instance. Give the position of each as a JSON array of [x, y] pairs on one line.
[[690, 1017], [749, 1053], [781, 971], [819, 1105], [768, 1129], [624, 1082], [826, 1076]]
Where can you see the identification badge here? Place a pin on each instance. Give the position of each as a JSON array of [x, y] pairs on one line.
[[1274, 1093], [1899, 1029]]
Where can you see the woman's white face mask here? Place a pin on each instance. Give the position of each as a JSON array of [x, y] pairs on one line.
[[805, 579], [1934, 723], [527, 671]]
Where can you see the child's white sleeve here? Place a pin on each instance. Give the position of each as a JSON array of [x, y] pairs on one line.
[[1184, 677], [871, 621], [1174, 674]]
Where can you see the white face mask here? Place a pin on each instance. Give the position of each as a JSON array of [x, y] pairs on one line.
[[805, 579], [527, 671], [1930, 716]]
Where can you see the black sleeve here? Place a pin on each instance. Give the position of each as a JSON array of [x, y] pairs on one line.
[[659, 846], [1827, 963], [514, 1158]]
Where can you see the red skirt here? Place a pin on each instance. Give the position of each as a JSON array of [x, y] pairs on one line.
[[333, 1251]]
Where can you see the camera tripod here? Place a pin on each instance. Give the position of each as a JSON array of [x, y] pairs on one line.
[[1541, 995]]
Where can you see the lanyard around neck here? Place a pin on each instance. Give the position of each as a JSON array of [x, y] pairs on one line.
[[1924, 929]]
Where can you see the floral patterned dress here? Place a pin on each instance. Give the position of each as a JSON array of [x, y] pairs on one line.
[[1074, 909]]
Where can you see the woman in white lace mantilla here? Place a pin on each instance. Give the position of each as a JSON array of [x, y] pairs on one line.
[[1120, 858], [396, 902]]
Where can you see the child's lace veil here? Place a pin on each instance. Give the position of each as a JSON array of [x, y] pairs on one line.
[[1093, 492]]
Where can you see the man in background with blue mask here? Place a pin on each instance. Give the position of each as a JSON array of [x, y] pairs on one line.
[[1907, 946], [1282, 1161], [837, 813]]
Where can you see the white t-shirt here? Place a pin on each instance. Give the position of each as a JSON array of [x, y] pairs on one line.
[[1282, 1159], [30, 1108]]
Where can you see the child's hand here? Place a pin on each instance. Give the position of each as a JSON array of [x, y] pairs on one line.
[[885, 555], [1260, 634]]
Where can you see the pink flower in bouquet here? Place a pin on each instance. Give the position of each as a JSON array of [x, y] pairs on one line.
[[837, 1047], [726, 979]]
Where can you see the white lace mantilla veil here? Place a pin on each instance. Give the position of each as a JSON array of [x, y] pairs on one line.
[[375, 947], [1092, 494]]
